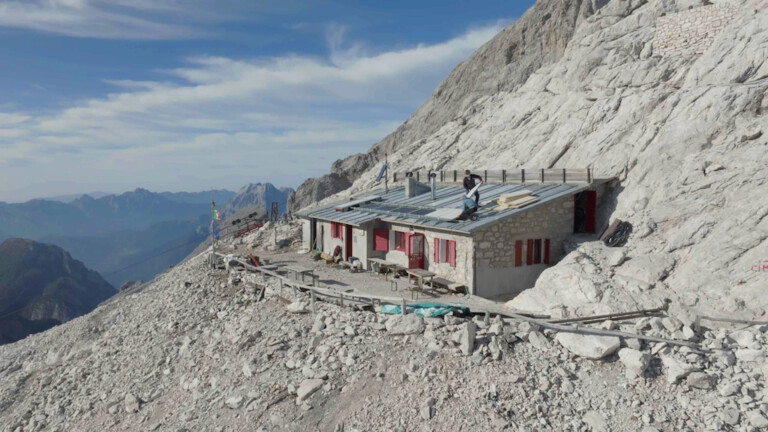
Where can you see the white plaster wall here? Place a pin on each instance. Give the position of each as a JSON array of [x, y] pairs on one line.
[[329, 243], [462, 273], [360, 245], [306, 241]]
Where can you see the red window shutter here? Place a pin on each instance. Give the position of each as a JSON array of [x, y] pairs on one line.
[[452, 253], [407, 238], [437, 250], [380, 239], [333, 229], [546, 251], [518, 253], [529, 259]]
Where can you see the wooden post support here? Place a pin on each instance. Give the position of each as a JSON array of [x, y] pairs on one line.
[[503, 176], [341, 299], [522, 174], [565, 180], [402, 307], [312, 300], [281, 286], [487, 318], [542, 175], [294, 292]]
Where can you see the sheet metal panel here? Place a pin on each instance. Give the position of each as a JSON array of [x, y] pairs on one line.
[[396, 207]]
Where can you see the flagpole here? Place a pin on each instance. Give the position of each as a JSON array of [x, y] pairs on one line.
[[386, 174], [213, 238]]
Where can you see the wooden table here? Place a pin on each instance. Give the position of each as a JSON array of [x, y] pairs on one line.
[[299, 270], [420, 275], [386, 265]]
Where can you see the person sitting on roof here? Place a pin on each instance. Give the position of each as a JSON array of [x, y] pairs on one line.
[[469, 207]]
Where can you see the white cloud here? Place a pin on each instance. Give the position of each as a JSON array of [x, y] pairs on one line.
[[83, 18], [290, 116]]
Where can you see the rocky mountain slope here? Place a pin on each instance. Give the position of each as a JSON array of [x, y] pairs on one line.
[[197, 350], [42, 286], [668, 94]]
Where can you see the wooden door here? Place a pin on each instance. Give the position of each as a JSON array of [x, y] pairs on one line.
[[348, 242], [416, 252]]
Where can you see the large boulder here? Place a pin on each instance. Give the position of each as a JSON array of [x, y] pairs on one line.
[[405, 324], [636, 362], [676, 369], [308, 387], [589, 346], [467, 338]]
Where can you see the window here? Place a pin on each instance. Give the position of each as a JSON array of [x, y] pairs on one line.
[[337, 230], [445, 251], [381, 239], [537, 252], [400, 241]]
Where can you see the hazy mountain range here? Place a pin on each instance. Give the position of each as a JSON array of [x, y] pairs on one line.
[[42, 286], [133, 235]]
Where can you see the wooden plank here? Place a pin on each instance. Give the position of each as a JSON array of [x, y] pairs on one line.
[[474, 189], [521, 202], [611, 228], [510, 197]]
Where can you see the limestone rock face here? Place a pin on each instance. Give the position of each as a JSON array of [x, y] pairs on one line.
[[686, 132]]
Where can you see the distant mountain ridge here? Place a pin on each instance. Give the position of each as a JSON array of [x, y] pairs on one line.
[[258, 195], [133, 235], [86, 215], [41, 286]]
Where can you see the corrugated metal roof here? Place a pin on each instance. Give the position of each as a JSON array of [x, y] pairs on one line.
[[396, 207]]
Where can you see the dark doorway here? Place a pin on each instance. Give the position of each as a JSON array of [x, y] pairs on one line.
[[584, 212], [348, 242]]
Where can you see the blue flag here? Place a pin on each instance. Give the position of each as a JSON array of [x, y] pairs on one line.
[[215, 231]]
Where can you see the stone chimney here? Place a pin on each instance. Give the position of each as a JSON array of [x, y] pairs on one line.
[[411, 187]]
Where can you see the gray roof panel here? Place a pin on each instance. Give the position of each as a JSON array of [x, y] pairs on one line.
[[394, 206]]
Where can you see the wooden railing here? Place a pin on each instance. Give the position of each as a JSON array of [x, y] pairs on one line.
[[543, 175], [503, 310]]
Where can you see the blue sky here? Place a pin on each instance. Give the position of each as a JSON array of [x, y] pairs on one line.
[[198, 94]]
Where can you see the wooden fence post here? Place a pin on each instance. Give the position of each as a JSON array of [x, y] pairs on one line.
[[402, 307], [522, 173], [312, 299]]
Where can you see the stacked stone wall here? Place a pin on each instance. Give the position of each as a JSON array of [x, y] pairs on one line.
[[554, 221], [691, 32]]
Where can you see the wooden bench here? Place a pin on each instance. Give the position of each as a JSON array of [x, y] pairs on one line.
[[450, 285]]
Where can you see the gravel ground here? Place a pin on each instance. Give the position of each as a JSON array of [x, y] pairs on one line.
[[195, 351]]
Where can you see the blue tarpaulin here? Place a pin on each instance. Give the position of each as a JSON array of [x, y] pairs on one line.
[[425, 310]]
